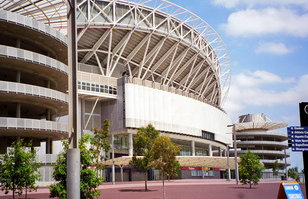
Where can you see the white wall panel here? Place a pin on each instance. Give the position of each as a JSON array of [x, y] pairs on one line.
[[174, 113]]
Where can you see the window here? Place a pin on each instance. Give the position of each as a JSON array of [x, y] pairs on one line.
[[207, 135], [196, 173], [185, 150], [110, 90], [97, 88], [209, 173], [83, 86], [88, 86], [92, 87], [201, 151], [120, 142]]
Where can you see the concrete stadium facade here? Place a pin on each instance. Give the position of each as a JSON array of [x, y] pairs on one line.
[[164, 70], [33, 80], [33, 85], [144, 62]]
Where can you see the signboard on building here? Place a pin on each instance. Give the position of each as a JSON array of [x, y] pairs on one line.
[[206, 169], [298, 135], [191, 168]]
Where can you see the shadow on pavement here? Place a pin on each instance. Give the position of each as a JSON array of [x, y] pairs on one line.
[[136, 190], [243, 187]]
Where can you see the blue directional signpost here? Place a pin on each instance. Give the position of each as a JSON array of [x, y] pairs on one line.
[[299, 137]]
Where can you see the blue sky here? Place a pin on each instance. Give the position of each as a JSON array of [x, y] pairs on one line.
[[268, 45]]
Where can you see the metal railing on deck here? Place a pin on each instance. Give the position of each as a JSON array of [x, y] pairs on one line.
[[32, 124]]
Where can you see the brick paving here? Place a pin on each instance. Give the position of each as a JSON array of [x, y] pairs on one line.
[[180, 189]]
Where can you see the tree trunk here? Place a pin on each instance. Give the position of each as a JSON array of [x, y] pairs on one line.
[[164, 193], [26, 193], [146, 181], [13, 193], [249, 185]]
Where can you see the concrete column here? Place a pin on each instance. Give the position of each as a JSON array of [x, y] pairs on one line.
[[210, 150], [47, 84], [3, 145], [193, 149], [220, 152], [228, 164], [18, 110], [130, 145], [82, 115], [73, 173], [48, 114], [122, 173], [52, 117], [18, 43], [48, 146], [18, 75]]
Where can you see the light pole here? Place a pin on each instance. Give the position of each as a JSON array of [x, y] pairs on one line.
[[112, 151], [73, 153], [285, 164], [235, 152]]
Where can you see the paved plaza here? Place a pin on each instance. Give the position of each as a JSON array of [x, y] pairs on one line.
[[180, 189]]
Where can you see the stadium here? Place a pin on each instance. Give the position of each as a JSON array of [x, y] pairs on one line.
[[140, 62]]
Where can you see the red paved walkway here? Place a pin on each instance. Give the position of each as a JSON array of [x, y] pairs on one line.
[[181, 189]]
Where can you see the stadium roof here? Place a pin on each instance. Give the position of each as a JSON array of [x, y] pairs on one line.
[[54, 13]]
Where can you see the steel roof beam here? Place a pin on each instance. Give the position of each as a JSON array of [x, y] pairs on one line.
[[96, 46], [163, 58]]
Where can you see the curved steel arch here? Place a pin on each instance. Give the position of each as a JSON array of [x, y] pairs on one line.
[[53, 13], [170, 32]]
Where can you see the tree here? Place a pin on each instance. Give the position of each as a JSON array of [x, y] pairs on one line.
[[293, 173], [143, 147], [100, 142], [89, 180], [250, 169], [164, 157], [276, 168], [18, 169]]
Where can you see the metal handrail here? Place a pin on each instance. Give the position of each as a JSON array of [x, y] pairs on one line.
[[8, 51], [274, 152], [15, 18], [261, 142], [26, 89], [32, 124], [46, 158]]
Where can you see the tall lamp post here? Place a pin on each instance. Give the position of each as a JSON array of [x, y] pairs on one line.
[[112, 151], [73, 153], [235, 152]]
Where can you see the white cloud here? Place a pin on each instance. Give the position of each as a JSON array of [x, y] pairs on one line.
[[226, 3], [258, 78], [290, 118], [251, 3], [253, 22], [247, 90], [274, 48]]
